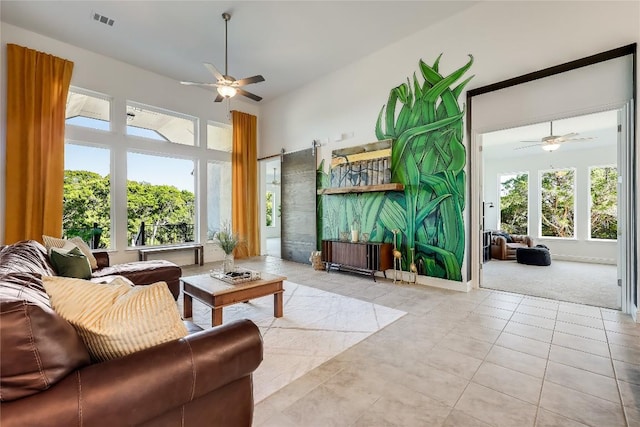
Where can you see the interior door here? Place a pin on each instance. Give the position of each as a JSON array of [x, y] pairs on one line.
[[298, 194]]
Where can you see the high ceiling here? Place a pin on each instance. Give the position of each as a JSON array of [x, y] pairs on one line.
[[290, 43]]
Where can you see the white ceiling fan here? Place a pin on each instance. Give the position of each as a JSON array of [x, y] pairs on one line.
[[553, 142], [227, 85]]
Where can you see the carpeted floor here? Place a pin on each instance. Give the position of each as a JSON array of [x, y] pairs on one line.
[[578, 282], [317, 326]]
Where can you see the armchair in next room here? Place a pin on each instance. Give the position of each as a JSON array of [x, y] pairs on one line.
[[504, 245]]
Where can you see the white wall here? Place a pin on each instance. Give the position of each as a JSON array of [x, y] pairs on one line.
[[123, 82], [579, 249], [507, 39]]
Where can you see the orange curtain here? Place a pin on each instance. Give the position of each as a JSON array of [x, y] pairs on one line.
[[244, 195], [37, 87]]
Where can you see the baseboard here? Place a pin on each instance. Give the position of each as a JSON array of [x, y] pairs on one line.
[[430, 281], [592, 260]]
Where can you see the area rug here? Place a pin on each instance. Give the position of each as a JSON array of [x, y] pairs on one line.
[[316, 326]]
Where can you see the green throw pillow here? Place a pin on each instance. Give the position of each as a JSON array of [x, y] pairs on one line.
[[70, 263]]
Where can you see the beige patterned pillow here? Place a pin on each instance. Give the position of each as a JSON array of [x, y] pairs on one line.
[[116, 319], [54, 242]]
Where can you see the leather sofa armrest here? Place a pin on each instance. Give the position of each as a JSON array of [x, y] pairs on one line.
[[102, 258], [498, 247], [146, 384]]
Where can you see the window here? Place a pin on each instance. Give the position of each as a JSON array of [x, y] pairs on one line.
[[87, 195], [218, 196], [160, 200], [603, 204], [219, 137], [514, 203], [558, 203], [88, 109], [161, 125]]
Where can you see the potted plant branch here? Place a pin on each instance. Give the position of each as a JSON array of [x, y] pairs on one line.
[[227, 240]]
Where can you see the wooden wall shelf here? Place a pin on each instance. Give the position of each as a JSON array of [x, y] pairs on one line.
[[394, 186], [359, 257]]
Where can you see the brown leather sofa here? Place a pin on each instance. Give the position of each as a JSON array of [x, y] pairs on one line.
[[139, 272], [48, 379], [503, 250]]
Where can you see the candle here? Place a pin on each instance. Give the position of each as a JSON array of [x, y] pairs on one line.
[[354, 235]]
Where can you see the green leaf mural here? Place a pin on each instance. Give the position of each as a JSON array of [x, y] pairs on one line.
[[424, 120]]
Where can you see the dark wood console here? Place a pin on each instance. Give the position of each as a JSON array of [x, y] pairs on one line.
[[357, 257]]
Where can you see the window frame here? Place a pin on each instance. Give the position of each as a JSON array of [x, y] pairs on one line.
[[590, 201], [541, 172], [515, 174], [142, 107], [94, 94]]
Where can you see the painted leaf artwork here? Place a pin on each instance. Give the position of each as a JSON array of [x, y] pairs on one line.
[[423, 119]]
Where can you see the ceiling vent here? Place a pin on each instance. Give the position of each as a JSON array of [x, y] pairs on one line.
[[103, 19]]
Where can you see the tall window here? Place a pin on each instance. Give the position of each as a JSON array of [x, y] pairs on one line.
[[160, 200], [219, 137], [603, 202], [87, 195], [88, 109], [558, 203], [155, 123], [218, 196], [514, 203]]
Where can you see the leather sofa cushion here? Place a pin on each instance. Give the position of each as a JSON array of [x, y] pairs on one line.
[[27, 256], [142, 272], [38, 348]]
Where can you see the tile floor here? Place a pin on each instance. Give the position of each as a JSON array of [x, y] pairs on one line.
[[483, 358]]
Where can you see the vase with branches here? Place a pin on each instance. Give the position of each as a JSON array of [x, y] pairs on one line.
[[227, 240]]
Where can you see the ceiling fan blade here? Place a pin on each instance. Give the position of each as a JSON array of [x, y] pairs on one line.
[[199, 84], [213, 70], [530, 140], [577, 139], [249, 80], [219, 98], [527, 146], [249, 94], [569, 135]]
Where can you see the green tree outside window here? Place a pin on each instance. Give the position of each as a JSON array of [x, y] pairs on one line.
[[514, 203], [604, 202], [558, 203]]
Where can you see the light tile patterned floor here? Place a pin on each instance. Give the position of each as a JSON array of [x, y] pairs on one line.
[[484, 358]]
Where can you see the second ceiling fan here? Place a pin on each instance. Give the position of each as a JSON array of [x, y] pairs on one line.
[[227, 85], [552, 142]]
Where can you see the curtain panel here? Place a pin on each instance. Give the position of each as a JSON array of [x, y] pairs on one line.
[[244, 187], [37, 88]]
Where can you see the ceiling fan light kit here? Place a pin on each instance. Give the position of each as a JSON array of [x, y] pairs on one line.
[[227, 91], [550, 147], [226, 85]]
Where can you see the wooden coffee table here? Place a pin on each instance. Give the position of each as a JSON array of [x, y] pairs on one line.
[[218, 294]]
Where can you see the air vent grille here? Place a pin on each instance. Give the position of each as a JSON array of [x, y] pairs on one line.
[[102, 19]]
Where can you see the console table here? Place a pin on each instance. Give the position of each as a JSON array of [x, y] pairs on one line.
[[357, 257], [196, 247]]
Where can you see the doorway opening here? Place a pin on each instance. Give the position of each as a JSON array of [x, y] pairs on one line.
[[271, 207], [554, 191]]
